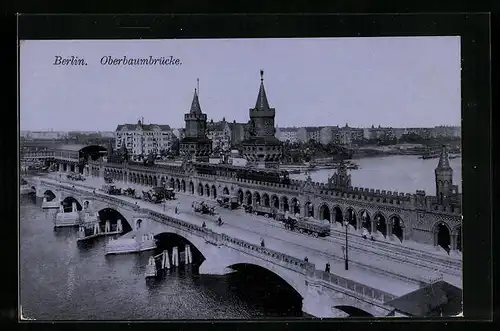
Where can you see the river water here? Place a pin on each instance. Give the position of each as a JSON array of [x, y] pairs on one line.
[[401, 173], [62, 280]]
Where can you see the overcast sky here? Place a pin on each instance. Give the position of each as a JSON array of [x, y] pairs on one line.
[[398, 82]]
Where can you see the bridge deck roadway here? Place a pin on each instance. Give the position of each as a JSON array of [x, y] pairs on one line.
[[252, 228]]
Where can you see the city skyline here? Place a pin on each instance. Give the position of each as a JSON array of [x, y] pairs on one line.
[[392, 82]]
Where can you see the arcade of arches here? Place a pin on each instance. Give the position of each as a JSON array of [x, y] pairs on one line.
[[374, 223]]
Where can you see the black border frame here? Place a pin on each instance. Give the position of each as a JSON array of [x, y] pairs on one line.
[[474, 30]]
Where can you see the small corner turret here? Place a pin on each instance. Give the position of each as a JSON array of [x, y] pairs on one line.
[[445, 190]]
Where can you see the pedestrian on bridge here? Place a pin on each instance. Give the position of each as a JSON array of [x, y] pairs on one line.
[[176, 210], [306, 259], [327, 267], [262, 244], [203, 225]]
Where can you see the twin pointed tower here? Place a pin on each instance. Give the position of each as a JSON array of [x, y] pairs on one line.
[[195, 145], [446, 192], [261, 148]]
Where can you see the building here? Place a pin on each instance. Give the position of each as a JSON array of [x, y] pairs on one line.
[[261, 148], [307, 133], [220, 134], [238, 132], [195, 145], [374, 133], [143, 139], [44, 135], [446, 192], [287, 134], [328, 134]]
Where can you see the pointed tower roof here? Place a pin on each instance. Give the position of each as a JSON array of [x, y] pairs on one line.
[[444, 162], [262, 103], [195, 105]]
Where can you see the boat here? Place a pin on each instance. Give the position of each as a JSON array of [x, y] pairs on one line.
[[53, 204]]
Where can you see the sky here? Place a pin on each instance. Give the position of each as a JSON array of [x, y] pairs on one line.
[[396, 81]]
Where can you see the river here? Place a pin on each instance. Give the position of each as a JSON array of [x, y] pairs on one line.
[[401, 173]]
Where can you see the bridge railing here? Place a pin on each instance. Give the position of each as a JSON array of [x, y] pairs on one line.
[[270, 255], [364, 290]]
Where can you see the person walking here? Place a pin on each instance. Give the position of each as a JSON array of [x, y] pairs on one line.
[[262, 243], [306, 259], [203, 225], [327, 267]]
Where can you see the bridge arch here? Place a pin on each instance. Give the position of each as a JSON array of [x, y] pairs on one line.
[[295, 206], [284, 203], [191, 187], [172, 182], [241, 196], [207, 190], [214, 191], [365, 220], [397, 226], [338, 216], [380, 223], [259, 270], [354, 311], [352, 218], [248, 198], [442, 235], [256, 196], [67, 204], [324, 212], [183, 185], [309, 209], [49, 194], [275, 201], [107, 213], [225, 190], [168, 239], [265, 200], [200, 189], [177, 185]]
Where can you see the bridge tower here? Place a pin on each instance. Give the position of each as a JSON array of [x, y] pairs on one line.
[[444, 178], [195, 145], [261, 148], [340, 179]]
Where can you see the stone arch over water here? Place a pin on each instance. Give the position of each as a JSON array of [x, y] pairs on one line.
[[67, 204], [113, 216]]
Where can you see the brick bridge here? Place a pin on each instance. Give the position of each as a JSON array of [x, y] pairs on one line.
[[396, 216], [323, 294]]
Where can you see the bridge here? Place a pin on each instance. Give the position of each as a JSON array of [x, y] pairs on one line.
[[365, 287]]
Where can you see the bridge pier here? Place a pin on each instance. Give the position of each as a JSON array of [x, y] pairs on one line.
[[175, 256]]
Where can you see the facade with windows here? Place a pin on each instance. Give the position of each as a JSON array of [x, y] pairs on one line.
[[143, 139]]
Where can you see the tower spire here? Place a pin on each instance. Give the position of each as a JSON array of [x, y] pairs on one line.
[[262, 103], [444, 162], [198, 85], [195, 105]]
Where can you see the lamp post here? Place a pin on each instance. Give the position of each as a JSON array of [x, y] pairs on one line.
[[346, 223]]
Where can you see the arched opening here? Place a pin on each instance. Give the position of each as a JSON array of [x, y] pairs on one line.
[[366, 221], [183, 186], [324, 212], [248, 197], [177, 185], [353, 311], [191, 187], [150, 180], [225, 190], [264, 290], [68, 204], [167, 241], [275, 201], [49, 195], [138, 224], [112, 215], [207, 190], [155, 182], [338, 216], [351, 217], [286, 206], [256, 196], [295, 206], [172, 182], [309, 209], [214, 192], [459, 238], [265, 200], [163, 182], [200, 189], [442, 236], [397, 227], [381, 224], [241, 197]]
